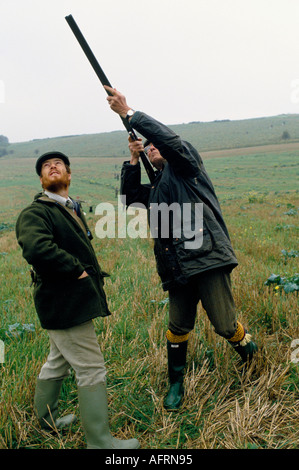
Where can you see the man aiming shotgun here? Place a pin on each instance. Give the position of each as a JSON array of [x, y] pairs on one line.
[[189, 275]]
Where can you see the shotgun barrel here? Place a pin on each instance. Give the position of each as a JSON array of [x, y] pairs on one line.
[[104, 80]]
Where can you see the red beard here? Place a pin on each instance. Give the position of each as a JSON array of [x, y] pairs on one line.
[[55, 182]]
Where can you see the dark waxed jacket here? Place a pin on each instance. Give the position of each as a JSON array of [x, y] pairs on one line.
[[182, 180], [57, 244]]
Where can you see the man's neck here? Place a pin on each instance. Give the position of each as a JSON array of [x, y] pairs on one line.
[[57, 196], [63, 192]]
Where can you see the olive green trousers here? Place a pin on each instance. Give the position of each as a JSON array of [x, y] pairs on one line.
[[213, 289]]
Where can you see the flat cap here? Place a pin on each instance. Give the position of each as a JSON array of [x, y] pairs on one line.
[[47, 156]]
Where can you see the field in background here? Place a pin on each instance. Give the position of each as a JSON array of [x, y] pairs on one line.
[[205, 136], [224, 406]]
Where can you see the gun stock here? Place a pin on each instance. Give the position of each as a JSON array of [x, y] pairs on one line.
[[104, 80]]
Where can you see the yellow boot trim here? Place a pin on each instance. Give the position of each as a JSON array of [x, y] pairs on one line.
[[176, 338], [239, 334]]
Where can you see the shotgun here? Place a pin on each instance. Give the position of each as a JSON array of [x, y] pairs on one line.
[[104, 80]]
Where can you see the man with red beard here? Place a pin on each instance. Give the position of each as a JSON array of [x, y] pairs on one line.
[[68, 295]]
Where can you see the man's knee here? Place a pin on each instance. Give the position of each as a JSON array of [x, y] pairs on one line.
[[234, 332], [226, 331]]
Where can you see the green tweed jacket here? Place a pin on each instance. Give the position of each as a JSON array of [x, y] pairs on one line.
[[57, 244]]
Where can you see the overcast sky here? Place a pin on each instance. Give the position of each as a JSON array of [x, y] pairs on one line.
[[177, 60]]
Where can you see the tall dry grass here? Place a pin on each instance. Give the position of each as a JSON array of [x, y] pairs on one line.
[[225, 405]]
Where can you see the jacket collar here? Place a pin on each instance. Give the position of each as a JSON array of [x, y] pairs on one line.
[[57, 197], [42, 197]]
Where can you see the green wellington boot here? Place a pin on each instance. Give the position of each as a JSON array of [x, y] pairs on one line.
[[245, 348], [93, 407], [177, 353], [46, 405]]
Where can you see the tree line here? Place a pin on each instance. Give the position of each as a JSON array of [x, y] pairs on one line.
[[4, 143]]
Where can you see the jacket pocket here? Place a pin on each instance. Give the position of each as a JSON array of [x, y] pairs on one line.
[[63, 304], [166, 260]]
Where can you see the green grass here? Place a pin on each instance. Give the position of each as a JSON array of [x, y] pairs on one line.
[[206, 136], [259, 173], [224, 407]]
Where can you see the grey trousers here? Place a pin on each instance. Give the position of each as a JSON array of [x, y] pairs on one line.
[[76, 348], [213, 289]]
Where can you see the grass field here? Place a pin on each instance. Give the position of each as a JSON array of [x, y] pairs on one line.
[[225, 407], [206, 136]]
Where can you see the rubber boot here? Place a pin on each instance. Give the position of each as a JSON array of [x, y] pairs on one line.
[[245, 348], [177, 353], [46, 405], [93, 407]]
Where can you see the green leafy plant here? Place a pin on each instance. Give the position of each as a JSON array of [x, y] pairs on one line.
[[254, 196], [4, 226], [288, 284], [291, 212], [289, 254], [161, 302], [17, 330], [284, 227]]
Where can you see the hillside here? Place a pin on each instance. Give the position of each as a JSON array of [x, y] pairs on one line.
[[205, 136]]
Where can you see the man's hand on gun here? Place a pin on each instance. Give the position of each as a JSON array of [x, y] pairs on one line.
[[118, 104], [117, 101], [135, 146]]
